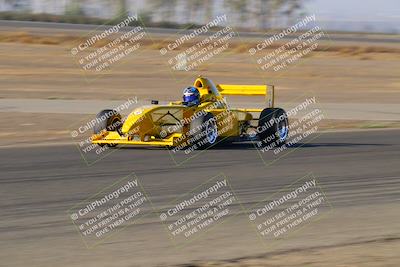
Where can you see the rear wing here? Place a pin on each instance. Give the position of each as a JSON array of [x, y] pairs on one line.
[[249, 90]]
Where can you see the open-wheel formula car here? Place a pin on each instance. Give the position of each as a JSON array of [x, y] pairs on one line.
[[201, 120]]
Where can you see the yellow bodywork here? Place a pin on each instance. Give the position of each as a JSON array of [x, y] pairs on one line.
[[156, 125]]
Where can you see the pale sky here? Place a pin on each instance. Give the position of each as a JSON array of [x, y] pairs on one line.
[[374, 14]]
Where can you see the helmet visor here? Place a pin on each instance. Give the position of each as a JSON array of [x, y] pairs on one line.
[[188, 98]]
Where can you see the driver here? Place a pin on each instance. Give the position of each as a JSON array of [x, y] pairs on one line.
[[191, 96]]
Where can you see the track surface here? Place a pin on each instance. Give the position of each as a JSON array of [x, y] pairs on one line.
[[359, 171]]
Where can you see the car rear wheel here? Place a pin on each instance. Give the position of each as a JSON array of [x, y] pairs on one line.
[[273, 126]]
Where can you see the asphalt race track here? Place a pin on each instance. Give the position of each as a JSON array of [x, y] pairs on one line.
[[359, 172]]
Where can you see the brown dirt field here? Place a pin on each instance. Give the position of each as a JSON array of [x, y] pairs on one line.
[[42, 67]]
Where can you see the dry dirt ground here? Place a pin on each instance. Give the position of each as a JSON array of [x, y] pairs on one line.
[[342, 75]]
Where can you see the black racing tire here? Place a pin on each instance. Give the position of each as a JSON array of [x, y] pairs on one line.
[[203, 131], [107, 120], [273, 126]]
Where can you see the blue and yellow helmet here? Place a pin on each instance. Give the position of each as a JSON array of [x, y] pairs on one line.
[[191, 96]]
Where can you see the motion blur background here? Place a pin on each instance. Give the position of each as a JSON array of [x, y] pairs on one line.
[[354, 74]]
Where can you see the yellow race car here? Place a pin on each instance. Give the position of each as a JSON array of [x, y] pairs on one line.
[[200, 123]]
